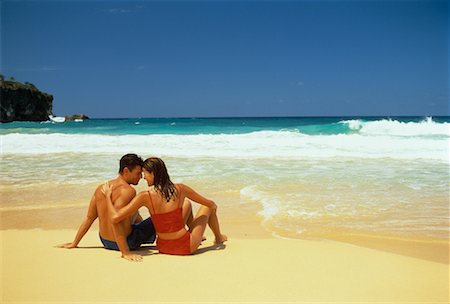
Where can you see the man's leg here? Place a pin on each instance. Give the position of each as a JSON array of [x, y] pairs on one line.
[[142, 233], [111, 245], [121, 238]]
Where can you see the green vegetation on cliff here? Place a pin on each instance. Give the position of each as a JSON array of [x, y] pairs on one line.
[[13, 84]]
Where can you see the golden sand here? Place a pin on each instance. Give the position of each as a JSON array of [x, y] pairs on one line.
[[253, 266]]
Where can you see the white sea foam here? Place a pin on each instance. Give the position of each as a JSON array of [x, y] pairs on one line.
[[271, 205], [354, 124], [250, 193], [263, 144], [303, 213], [384, 127], [56, 119]]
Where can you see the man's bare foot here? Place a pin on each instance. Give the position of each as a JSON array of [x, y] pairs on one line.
[[223, 238], [132, 257]]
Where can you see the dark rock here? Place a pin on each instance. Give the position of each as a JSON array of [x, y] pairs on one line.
[[23, 102], [76, 117]]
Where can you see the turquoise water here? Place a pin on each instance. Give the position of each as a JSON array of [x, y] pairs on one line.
[[142, 126], [309, 177]]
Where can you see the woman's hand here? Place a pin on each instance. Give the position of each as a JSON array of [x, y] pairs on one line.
[[107, 189]]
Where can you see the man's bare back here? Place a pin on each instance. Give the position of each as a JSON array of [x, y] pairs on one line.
[[121, 192]]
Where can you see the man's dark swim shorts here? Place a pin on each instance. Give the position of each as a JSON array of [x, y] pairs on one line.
[[142, 233]]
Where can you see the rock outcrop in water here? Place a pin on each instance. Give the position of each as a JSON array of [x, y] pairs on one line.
[[76, 117], [23, 102]]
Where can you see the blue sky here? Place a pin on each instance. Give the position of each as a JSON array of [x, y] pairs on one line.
[[240, 58]]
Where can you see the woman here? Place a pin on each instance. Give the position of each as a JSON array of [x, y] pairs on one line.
[[171, 211]]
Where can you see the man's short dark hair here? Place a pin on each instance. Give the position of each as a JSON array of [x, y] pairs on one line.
[[130, 161]]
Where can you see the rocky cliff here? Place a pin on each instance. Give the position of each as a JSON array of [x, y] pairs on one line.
[[23, 102]]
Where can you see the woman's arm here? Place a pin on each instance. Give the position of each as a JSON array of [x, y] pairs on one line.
[[117, 216], [194, 196]]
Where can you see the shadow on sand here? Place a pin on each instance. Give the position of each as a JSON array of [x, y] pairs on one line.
[[147, 250], [151, 250]]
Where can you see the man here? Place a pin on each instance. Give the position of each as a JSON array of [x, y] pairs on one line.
[[125, 235]]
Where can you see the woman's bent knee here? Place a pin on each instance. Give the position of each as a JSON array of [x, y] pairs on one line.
[[204, 211]]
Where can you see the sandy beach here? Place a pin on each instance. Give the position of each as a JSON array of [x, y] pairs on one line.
[[252, 267]]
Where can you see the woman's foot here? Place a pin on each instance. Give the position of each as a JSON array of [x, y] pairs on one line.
[[223, 238]]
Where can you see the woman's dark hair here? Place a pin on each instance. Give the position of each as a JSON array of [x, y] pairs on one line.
[[162, 181], [130, 161]]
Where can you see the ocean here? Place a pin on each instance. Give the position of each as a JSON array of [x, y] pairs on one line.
[[305, 177]]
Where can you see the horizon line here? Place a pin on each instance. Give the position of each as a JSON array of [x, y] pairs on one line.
[[306, 116]]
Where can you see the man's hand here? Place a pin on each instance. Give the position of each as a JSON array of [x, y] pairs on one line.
[[66, 245], [132, 257]]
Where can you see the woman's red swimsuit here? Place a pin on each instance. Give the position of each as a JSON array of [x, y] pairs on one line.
[[168, 222]]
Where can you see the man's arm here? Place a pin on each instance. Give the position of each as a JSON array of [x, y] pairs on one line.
[[85, 225], [125, 196]]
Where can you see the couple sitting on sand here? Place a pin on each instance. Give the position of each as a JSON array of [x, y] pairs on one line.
[[122, 228]]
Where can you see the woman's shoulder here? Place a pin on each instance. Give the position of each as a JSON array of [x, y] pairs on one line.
[[143, 194], [184, 188]]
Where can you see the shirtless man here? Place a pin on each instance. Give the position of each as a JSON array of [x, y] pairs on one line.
[[127, 234]]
